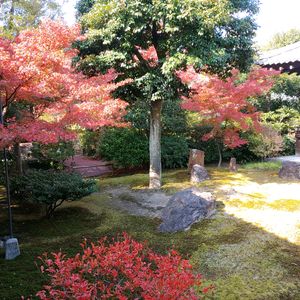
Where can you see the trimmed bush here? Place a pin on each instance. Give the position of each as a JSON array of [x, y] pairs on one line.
[[51, 155], [288, 145], [268, 143], [242, 154], [129, 148], [174, 152], [89, 140], [49, 188]]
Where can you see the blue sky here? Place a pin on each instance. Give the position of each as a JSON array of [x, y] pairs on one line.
[[274, 16]]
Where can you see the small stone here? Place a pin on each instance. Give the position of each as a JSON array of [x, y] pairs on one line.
[[12, 249], [186, 208], [198, 174]]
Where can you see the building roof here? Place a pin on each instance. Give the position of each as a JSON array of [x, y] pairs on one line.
[[284, 55]]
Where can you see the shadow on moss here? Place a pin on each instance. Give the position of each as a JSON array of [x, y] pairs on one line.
[[243, 261]]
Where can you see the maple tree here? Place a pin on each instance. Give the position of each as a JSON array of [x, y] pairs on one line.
[[124, 269], [41, 94], [223, 103]]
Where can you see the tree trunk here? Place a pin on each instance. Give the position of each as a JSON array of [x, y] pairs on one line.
[[154, 145], [220, 155], [17, 152]]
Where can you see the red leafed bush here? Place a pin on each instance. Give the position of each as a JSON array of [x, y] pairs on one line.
[[123, 269]]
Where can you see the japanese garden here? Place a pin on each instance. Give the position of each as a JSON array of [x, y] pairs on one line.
[[148, 150]]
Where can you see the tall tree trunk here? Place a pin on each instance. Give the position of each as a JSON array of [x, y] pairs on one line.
[[17, 153], [220, 155], [154, 145]]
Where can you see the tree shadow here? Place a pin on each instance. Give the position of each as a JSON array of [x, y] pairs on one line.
[[242, 260]]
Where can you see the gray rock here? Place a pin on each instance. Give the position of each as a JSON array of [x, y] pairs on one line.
[[185, 208], [146, 203], [12, 249], [198, 174], [290, 170]]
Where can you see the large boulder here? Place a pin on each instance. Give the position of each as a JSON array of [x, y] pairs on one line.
[[198, 174], [185, 208], [290, 170]]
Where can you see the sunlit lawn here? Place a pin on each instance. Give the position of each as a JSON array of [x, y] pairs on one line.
[[249, 250]]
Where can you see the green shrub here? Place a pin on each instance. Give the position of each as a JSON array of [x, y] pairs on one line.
[[285, 92], [242, 154], [89, 140], [267, 143], [288, 145], [51, 155], [49, 188], [174, 152], [266, 165], [129, 148], [10, 162], [284, 119]]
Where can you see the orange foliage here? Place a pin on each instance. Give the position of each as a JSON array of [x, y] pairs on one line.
[[36, 70], [224, 104]]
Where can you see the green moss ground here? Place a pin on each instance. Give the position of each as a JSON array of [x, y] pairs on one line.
[[242, 260]]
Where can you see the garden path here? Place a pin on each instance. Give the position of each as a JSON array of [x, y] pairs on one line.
[[88, 167]]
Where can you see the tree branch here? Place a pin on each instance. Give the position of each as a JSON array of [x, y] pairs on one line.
[[10, 98], [155, 40], [154, 36], [140, 58]]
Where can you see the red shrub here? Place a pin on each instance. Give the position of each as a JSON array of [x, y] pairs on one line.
[[124, 269]]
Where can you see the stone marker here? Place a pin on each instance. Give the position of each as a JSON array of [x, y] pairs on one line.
[[297, 136], [185, 208], [290, 170], [232, 164], [198, 174], [12, 249], [196, 158]]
